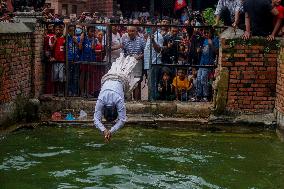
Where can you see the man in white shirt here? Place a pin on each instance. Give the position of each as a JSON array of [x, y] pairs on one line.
[[110, 104], [116, 46], [153, 47]]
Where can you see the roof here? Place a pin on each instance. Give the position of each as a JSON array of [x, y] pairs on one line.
[[14, 28]]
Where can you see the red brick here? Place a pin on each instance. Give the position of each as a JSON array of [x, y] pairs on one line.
[[241, 63], [234, 81], [227, 64], [257, 47], [260, 98], [256, 63], [240, 55], [271, 55]]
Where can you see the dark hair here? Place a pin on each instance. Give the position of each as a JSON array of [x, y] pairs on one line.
[[71, 25], [59, 24], [110, 113], [182, 70], [211, 31], [90, 27]]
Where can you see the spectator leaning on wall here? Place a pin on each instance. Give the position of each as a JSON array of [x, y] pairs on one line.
[[229, 11], [259, 18]]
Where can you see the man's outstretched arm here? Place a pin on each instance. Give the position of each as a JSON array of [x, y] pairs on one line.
[[98, 116], [121, 110]]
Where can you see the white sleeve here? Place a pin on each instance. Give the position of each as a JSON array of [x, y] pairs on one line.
[[98, 116], [121, 110], [219, 7]]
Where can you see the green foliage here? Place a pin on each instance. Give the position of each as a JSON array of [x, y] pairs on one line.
[[268, 45], [209, 16]]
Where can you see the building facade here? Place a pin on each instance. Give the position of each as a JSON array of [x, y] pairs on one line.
[[114, 7], [162, 7], [67, 7]]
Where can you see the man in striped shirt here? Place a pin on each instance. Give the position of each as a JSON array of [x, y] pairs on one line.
[[229, 11], [133, 45]]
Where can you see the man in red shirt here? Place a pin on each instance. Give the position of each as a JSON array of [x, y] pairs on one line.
[[58, 59], [279, 19], [259, 18]]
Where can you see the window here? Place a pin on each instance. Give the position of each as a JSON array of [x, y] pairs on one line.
[[64, 9], [74, 9]]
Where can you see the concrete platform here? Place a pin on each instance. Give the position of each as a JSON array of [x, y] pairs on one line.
[[193, 115], [158, 108]]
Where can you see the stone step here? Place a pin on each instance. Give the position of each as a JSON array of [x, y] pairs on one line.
[[167, 109], [144, 121]]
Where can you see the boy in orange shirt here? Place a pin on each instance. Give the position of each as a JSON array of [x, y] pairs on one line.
[[181, 85]]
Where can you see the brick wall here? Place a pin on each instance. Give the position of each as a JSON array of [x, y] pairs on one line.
[[280, 83], [57, 6], [37, 66], [252, 69], [20, 64], [103, 6], [15, 61]]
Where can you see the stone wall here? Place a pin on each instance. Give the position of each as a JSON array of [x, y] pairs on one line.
[[251, 67], [280, 88]]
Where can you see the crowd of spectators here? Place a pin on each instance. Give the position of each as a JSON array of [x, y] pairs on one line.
[[164, 52], [177, 55]]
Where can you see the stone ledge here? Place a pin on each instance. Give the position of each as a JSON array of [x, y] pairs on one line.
[[265, 120], [167, 109]]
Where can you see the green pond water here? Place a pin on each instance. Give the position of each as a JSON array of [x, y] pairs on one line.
[[140, 158]]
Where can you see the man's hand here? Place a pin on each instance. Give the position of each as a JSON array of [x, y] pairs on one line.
[[170, 44], [270, 37], [107, 135], [234, 25], [246, 35], [82, 37], [75, 40], [138, 56], [210, 42]]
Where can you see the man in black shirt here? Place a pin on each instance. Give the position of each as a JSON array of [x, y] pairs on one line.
[[259, 18], [171, 45]]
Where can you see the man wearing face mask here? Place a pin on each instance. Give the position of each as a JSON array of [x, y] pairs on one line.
[[73, 69], [78, 33]]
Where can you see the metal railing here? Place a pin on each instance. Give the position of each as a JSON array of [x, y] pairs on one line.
[[82, 76]]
